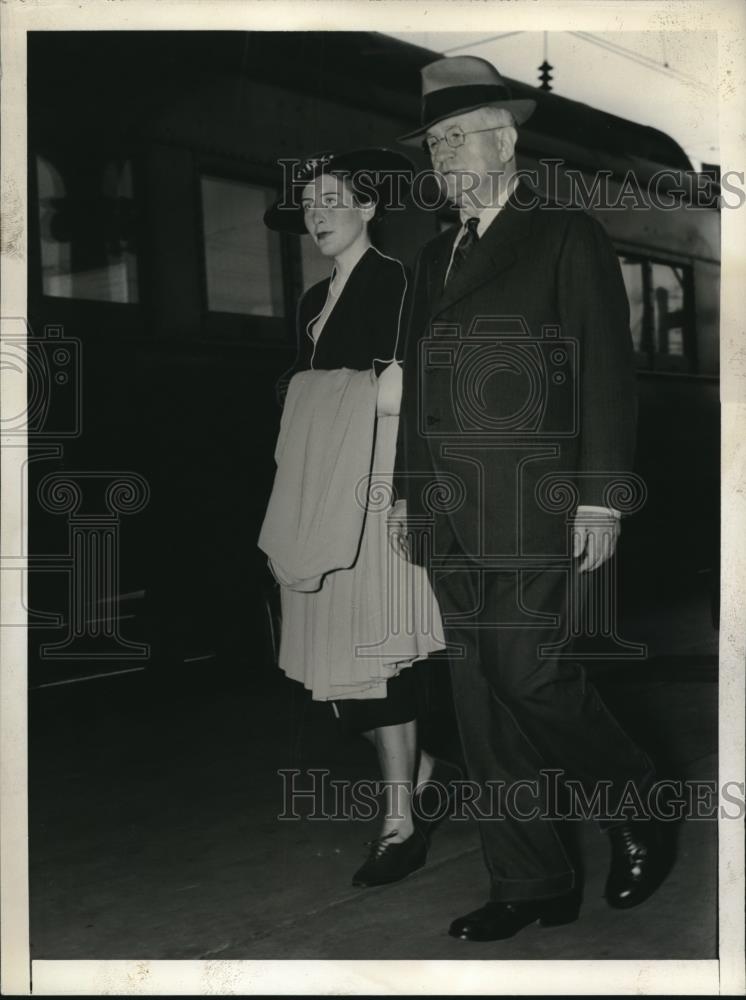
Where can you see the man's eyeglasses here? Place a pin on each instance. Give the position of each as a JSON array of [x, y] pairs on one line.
[[454, 137]]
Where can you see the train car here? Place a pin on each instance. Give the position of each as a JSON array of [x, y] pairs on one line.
[[167, 309]]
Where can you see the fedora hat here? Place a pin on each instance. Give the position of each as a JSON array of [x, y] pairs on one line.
[[374, 172], [457, 84]]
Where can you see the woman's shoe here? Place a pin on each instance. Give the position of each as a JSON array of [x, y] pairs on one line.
[[433, 799], [390, 862]]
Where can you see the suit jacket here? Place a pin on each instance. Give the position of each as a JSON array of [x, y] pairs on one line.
[[519, 390]]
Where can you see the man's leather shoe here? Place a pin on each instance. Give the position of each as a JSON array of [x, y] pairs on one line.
[[391, 861], [433, 799], [497, 921], [639, 862]]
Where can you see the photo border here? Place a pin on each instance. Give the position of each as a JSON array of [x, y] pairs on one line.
[[725, 975]]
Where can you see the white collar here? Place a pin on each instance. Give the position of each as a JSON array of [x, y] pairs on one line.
[[490, 213]]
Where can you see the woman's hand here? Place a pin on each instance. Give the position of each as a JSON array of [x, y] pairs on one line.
[[397, 527]]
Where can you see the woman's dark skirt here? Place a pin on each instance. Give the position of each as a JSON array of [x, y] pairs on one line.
[[359, 715]]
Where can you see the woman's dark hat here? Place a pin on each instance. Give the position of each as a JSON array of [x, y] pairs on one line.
[[376, 173], [458, 84]]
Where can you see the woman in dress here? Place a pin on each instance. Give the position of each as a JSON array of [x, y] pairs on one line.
[[341, 634]]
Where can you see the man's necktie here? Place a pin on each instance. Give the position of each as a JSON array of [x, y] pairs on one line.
[[464, 246]]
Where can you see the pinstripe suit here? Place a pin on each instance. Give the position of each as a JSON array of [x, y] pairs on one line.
[[518, 396]]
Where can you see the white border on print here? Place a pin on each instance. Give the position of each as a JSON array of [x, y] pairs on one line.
[[724, 976]]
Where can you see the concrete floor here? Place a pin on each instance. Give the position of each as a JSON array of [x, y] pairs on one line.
[[154, 830]]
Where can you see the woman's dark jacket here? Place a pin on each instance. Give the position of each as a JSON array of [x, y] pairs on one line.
[[362, 329]]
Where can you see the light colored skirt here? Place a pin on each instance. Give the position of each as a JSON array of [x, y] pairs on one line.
[[366, 623]]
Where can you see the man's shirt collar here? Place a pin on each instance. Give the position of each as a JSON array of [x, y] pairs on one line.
[[488, 214]]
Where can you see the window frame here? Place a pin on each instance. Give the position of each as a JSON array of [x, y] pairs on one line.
[[226, 327], [121, 319], [648, 358]]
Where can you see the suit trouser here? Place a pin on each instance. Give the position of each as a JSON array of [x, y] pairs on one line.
[[520, 711]]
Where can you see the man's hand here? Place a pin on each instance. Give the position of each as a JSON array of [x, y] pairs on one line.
[[397, 526], [594, 537]]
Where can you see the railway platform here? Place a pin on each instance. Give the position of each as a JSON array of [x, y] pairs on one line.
[[154, 830]]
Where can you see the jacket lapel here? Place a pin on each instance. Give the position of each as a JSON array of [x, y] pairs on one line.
[[495, 251], [438, 263]]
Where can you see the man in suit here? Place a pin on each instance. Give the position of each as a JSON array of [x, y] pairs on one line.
[[519, 397]]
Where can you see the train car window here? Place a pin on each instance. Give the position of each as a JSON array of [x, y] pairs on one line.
[[668, 309], [87, 237], [661, 313], [243, 259], [633, 282]]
